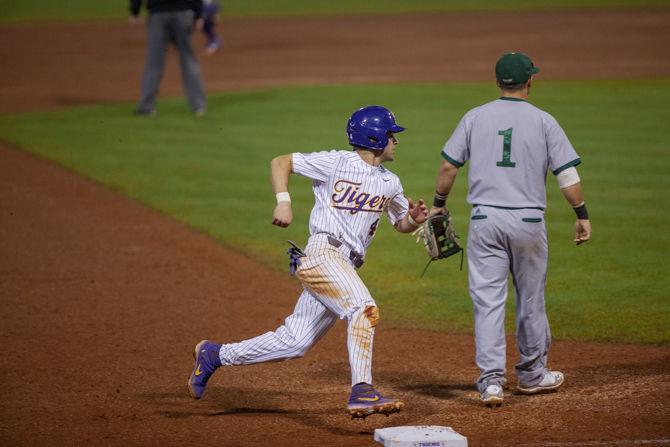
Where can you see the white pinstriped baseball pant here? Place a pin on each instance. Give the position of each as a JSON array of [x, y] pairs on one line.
[[331, 289]]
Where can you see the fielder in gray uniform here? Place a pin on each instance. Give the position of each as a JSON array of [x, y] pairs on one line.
[[511, 145], [170, 21]]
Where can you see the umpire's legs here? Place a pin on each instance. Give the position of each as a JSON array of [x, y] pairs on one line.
[[488, 266], [191, 77], [157, 41]]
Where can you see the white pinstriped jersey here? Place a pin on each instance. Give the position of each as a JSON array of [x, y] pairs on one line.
[[350, 196], [510, 144]]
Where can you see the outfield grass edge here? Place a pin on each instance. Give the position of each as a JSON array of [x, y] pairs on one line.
[[33, 15]]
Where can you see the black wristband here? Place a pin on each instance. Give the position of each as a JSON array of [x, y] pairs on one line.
[[581, 212], [439, 200]]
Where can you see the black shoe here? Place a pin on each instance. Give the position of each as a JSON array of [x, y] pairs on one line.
[[141, 112]]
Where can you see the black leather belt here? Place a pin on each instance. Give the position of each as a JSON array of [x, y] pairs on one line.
[[355, 258]]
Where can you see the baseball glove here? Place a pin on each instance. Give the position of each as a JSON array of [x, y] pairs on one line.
[[439, 238]]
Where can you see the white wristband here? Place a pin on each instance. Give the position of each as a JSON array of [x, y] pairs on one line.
[[283, 197], [411, 221]]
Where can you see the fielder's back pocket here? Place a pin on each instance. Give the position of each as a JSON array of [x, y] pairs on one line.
[[532, 219]]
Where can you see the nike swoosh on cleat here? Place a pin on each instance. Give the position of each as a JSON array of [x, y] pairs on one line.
[[197, 371], [369, 399]]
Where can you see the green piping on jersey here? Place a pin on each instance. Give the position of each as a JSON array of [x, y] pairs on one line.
[[507, 98], [570, 164], [479, 216], [532, 219], [451, 160], [510, 207]]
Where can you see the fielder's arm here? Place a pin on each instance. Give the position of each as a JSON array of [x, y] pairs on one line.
[[280, 170], [445, 181], [571, 187]]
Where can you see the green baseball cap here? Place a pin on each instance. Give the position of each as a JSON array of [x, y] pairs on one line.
[[514, 68]]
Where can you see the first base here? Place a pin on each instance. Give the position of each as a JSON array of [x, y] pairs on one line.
[[420, 436]]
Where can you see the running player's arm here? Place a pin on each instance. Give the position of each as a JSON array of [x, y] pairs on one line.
[[316, 166], [280, 170], [405, 215], [417, 213]]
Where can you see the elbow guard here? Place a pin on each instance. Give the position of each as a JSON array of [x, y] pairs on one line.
[[567, 177]]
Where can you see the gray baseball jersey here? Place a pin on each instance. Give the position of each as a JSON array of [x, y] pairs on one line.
[[512, 144]]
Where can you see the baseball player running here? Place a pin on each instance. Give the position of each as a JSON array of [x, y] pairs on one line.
[[510, 145], [351, 190]]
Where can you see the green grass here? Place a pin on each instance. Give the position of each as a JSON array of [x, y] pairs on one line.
[[213, 173], [18, 10]]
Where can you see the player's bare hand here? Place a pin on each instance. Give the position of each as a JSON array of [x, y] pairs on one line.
[[582, 231], [418, 211], [435, 210], [283, 215], [200, 24]]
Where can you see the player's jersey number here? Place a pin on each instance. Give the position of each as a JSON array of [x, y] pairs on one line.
[[506, 161]]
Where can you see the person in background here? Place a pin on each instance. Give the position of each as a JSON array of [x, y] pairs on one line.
[[210, 10], [170, 21]]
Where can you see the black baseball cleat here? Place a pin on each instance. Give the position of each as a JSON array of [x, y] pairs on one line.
[[141, 112]]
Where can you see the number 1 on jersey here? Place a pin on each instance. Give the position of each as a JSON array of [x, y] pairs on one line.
[[507, 149]]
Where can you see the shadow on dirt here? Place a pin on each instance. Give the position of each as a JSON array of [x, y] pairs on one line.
[[439, 391]]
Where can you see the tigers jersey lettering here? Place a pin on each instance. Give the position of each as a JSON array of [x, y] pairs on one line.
[[354, 201], [350, 195]]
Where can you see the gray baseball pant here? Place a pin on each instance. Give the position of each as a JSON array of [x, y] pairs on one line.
[[163, 28], [500, 242]]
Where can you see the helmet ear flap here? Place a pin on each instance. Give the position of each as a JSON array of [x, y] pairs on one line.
[[367, 137]]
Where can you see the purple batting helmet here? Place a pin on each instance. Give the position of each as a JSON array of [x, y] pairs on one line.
[[369, 127]]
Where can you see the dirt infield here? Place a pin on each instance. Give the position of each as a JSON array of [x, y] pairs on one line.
[[103, 299], [57, 65]]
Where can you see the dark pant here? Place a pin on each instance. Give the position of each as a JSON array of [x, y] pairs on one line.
[[163, 28], [209, 12]]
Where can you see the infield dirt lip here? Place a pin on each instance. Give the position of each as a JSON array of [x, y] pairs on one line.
[[67, 64]]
